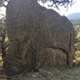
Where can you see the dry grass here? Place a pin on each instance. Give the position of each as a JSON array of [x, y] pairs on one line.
[[51, 74]]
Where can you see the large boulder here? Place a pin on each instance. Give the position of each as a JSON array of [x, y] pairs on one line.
[[38, 37]]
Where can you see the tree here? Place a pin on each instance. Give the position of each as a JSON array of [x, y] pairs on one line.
[[58, 3], [55, 3], [3, 38], [77, 31], [77, 44]]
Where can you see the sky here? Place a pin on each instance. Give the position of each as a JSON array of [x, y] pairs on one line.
[[75, 8]]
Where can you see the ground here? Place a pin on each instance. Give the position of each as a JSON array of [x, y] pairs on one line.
[[46, 74], [50, 74]]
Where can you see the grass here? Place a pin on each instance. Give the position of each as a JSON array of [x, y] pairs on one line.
[[52, 74]]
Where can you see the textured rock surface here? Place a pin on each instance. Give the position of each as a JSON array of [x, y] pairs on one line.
[[38, 37]]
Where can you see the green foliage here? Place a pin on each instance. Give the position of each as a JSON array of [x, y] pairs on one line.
[[77, 44], [75, 22], [77, 33], [3, 38]]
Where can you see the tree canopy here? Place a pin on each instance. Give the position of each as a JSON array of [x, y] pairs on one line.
[[58, 3], [64, 3]]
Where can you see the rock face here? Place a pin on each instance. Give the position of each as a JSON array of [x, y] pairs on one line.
[[38, 37]]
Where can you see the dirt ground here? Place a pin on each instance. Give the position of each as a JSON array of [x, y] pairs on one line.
[[50, 74], [46, 74]]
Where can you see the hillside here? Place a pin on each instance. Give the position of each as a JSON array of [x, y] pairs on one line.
[[74, 16]]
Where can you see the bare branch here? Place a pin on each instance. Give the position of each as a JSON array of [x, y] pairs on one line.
[[57, 3]]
